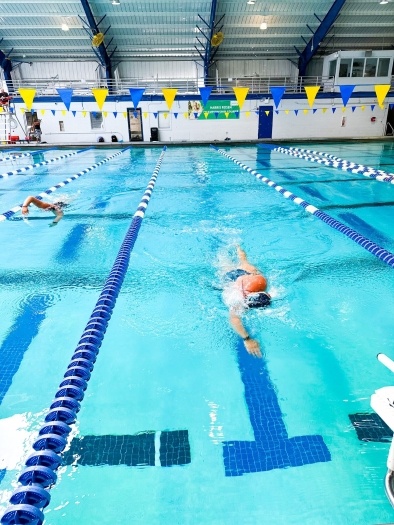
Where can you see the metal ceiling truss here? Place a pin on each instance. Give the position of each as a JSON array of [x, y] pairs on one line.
[[318, 36], [208, 56], [92, 29]]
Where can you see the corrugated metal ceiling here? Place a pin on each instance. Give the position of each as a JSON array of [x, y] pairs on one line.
[[151, 30]]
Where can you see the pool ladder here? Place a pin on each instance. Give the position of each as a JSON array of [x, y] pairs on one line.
[[382, 401]]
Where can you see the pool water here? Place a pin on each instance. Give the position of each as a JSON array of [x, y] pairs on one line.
[[179, 425]]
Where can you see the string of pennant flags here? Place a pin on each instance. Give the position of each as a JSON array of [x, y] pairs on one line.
[[169, 94]]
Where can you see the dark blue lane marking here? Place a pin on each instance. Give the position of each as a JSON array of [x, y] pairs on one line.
[[363, 227], [272, 448], [100, 204], [2, 474], [69, 251], [131, 450], [313, 192], [285, 175], [19, 337], [371, 427]]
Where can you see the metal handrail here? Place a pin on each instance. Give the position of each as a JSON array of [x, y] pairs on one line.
[[256, 84], [389, 126]]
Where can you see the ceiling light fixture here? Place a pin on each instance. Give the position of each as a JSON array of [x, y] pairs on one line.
[[251, 2], [383, 2], [263, 26], [115, 2], [65, 27]]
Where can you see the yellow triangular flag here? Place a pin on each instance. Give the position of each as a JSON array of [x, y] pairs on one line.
[[362, 108], [287, 111], [27, 95], [343, 109], [227, 114], [306, 111], [100, 94], [105, 114], [84, 113], [206, 113], [240, 95], [145, 114], [22, 110], [267, 113], [169, 96], [311, 92], [165, 115], [381, 91], [1, 109], [186, 115], [64, 112], [324, 110], [124, 113], [247, 114], [42, 111]]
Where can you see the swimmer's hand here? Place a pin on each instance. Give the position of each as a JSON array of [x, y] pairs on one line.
[[253, 348], [25, 210], [53, 224]]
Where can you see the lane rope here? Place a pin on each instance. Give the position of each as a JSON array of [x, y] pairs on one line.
[[37, 164], [335, 162], [40, 196], [376, 250], [28, 500]]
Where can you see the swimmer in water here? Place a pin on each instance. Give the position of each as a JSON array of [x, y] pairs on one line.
[[245, 287], [56, 207]]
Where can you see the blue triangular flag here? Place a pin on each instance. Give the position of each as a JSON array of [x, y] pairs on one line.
[[346, 91], [333, 110], [115, 114], [176, 115], [354, 108], [276, 111], [74, 113], [53, 111], [256, 112], [314, 111], [94, 113], [135, 113], [155, 115], [216, 114], [391, 106], [372, 107], [205, 92], [136, 95], [277, 94], [66, 95], [236, 113], [195, 115], [296, 111]]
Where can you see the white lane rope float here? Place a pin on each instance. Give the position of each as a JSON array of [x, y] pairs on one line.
[[37, 164], [376, 250], [40, 196], [336, 162]]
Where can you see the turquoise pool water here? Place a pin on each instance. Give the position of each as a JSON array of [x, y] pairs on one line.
[[179, 425]]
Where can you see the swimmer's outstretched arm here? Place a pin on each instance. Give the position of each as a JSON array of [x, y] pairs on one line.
[[244, 263], [252, 346]]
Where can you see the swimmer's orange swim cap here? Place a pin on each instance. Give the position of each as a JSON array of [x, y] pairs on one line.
[[254, 283]]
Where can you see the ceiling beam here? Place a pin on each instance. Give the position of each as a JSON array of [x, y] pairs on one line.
[[319, 35]]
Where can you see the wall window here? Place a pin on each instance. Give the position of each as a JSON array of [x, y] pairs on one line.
[[358, 67], [333, 68], [30, 117], [370, 67], [344, 67], [96, 120], [383, 67]]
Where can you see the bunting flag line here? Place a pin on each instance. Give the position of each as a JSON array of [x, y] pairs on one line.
[[240, 95], [66, 95], [311, 92], [169, 96], [27, 95], [100, 94]]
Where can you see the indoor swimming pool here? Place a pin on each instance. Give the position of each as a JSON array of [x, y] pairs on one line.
[[179, 424]]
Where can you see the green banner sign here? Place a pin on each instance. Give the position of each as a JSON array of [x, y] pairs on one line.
[[213, 110]]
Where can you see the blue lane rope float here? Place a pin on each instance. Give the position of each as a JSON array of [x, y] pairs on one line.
[[15, 157], [28, 500], [344, 165], [40, 196], [376, 250], [37, 164]]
